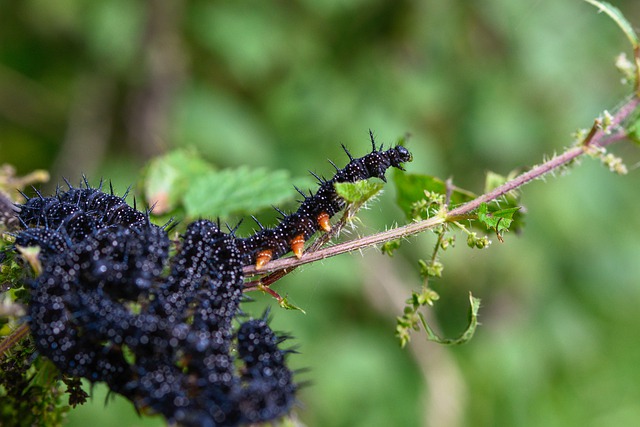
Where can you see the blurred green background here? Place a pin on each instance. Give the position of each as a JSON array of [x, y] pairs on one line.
[[100, 87]]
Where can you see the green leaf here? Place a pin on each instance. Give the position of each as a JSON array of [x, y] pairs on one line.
[[284, 303], [358, 192], [466, 335], [498, 220], [167, 178], [617, 16], [222, 193], [508, 207], [411, 190]]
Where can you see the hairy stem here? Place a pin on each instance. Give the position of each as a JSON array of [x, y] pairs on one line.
[[596, 138]]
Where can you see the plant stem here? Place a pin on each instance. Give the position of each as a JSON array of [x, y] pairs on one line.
[[12, 339], [596, 138]]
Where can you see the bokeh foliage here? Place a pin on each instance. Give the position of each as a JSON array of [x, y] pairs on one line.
[[101, 87]]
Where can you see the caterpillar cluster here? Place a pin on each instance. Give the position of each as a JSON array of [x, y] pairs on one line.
[[112, 306]]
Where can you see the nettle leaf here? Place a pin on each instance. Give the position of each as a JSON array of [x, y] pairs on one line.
[[288, 305], [509, 205], [498, 220], [411, 190], [222, 193], [617, 16], [358, 192], [168, 177], [466, 335]]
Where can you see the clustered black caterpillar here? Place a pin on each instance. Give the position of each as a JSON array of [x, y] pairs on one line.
[[111, 305]]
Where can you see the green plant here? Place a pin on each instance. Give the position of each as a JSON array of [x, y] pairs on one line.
[[444, 211]]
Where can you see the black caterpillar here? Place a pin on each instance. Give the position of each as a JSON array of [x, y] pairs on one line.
[[110, 304], [316, 210]]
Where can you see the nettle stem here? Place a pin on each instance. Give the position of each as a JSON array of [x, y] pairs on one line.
[[600, 136]]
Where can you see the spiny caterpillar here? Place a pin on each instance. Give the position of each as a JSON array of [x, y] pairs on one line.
[[112, 306], [316, 210]]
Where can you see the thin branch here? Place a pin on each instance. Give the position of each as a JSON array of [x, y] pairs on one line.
[[18, 334], [597, 138]]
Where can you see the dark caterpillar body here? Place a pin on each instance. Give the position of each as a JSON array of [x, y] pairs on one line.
[[111, 305], [182, 338], [316, 210]]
